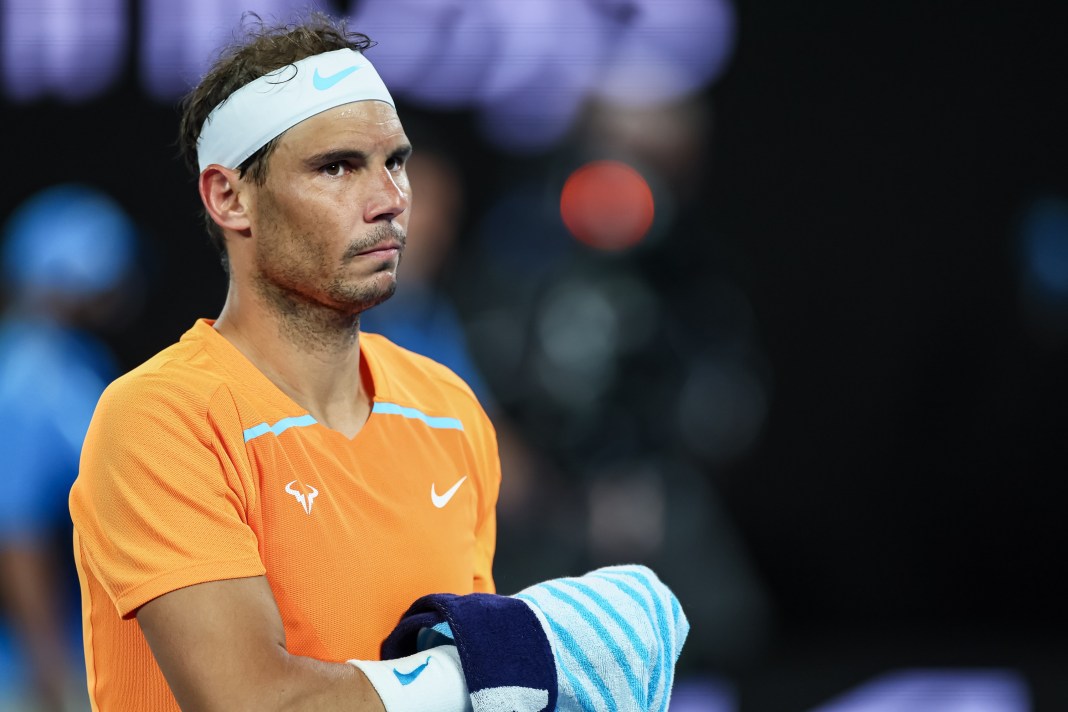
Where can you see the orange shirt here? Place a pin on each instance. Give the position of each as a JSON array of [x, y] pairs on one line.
[[197, 468]]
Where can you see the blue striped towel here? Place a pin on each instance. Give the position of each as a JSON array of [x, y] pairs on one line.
[[615, 635]]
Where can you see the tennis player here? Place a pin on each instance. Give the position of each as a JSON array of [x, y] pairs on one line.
[[261, 501]]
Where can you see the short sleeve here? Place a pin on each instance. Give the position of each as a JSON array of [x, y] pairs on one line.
[[158, 504]]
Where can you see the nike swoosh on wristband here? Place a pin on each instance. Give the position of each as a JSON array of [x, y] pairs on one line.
[[407, 678], [440, 500], [323, 83]]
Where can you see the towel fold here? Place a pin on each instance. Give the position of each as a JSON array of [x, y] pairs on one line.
[[504, 652], [607, 640], [616, 633]]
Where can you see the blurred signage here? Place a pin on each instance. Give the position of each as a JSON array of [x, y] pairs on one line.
[[526, 67], [77, 50]]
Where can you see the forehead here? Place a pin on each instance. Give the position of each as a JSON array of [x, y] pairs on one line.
[[364, 125]]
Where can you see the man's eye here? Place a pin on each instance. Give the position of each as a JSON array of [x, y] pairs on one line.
[[333, 169]]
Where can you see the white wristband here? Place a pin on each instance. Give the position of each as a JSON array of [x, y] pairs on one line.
[[429, 681]]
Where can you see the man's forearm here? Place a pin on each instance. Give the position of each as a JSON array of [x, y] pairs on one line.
[[290, 683], [221, 647]]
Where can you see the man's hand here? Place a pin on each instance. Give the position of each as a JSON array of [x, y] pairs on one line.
[[606, 640]]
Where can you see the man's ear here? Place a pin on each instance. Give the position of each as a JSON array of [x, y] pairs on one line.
[[220, 191]]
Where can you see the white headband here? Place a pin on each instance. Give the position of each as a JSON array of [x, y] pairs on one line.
[[249, 118]]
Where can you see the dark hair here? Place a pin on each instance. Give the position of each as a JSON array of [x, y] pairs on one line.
[[258, 48]]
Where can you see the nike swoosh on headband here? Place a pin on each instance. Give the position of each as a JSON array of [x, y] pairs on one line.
[[269, 105], [323, 83]]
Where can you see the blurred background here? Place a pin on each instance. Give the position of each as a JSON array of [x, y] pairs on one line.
[[771, 296]]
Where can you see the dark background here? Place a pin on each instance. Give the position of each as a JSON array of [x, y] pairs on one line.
[[872, 163], [868, 166]]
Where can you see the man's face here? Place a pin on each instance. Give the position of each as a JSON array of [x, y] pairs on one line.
[[331, 220]]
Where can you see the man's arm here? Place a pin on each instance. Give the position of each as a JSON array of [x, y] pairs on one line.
[[221, 646]]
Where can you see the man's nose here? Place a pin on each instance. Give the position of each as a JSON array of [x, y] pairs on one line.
[[391, 196]]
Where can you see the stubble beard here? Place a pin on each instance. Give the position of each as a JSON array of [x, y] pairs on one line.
[[325, 316]]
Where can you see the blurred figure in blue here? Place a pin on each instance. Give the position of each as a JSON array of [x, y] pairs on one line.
[[67, 254]]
